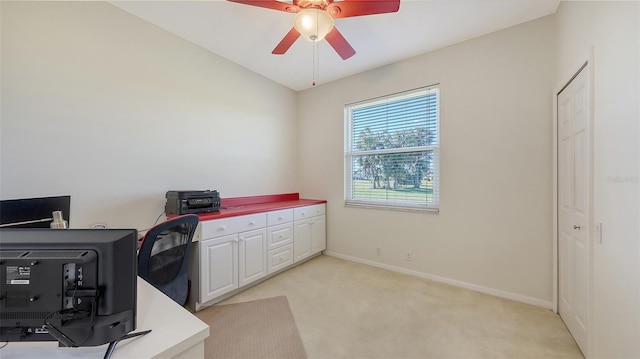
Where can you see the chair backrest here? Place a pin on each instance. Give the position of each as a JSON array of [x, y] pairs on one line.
[[164, 256]]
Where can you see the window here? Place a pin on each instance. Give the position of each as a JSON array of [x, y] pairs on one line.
[[392, 151]]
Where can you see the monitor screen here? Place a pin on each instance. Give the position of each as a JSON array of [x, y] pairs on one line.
[[33, 212], [75, 286]]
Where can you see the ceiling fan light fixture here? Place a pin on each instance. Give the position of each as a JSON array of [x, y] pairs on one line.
[[313, 24]]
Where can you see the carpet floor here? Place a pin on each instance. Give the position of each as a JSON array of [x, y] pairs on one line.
[[347, 310]]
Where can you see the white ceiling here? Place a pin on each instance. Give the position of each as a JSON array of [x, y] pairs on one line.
[[246, 34]]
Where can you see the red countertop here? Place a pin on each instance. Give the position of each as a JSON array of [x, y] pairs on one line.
[[238, 206]]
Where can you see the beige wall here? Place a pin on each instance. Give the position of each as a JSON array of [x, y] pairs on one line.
[[612, 30], [114, 111], [494, 229]]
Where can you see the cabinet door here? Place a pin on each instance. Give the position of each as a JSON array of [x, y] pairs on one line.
[[219, 265], [318, 234], [252, 256], [301, 239]]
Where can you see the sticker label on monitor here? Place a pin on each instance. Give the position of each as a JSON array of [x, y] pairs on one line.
[[18, 275]]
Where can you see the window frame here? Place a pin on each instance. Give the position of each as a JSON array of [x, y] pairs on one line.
[[350, 154]]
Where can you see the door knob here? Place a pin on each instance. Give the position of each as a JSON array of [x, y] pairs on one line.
[[576, 227]]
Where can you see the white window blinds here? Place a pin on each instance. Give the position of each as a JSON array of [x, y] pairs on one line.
[[392, 151]]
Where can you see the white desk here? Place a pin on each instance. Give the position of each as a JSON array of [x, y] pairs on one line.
[[175, 333]]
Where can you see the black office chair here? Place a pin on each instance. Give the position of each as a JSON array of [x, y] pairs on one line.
[[164, 256]]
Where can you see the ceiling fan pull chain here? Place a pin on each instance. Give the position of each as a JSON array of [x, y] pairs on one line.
[[315, 65], [316, 52]]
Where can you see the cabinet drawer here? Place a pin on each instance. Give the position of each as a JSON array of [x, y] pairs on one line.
[[278, 236], [278, 217], [222, 227], [308, 211], [280, 258]]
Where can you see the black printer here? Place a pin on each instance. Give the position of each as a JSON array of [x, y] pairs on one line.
[[192, 202]]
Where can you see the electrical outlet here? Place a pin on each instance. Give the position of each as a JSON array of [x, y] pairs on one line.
[[409, 257], [378, 251]]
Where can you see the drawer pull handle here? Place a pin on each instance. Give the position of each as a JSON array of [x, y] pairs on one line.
[[280, 236], [222, 228], [252, 223], [280, 218], [303, 213], [281, 258]]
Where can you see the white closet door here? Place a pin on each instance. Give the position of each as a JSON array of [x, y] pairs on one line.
[[573, 206]]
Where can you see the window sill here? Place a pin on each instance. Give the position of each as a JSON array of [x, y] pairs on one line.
[[391, 207]]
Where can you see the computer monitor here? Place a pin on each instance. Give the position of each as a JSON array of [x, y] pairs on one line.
[[74, 286], [33, 212]]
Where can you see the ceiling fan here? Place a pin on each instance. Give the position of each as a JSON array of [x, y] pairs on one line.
[[314, 19]]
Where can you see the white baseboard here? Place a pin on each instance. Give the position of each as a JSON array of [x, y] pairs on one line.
[[457, 283]]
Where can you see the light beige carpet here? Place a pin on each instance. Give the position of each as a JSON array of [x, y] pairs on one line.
[[263, 328]]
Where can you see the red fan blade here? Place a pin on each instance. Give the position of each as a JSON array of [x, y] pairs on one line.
[[286, 42], [270, 4], [340, 44], [350, 8]]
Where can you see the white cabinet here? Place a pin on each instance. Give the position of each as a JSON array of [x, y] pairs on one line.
[[280, 258], [302, 240], [318, 234], [219, 266], [232, 225], [252, 256], [279, 217], [280, 240], [309, 231], [280, 235], [233, 252], [308, 211]]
